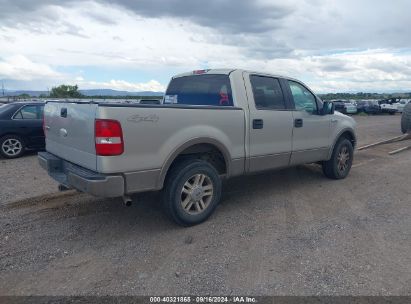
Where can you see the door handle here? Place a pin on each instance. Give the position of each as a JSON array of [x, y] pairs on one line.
[[334, 120], [298, 122], [63, 112], [258, 123]]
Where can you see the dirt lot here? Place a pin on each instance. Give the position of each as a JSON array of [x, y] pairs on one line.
[[291, 232]]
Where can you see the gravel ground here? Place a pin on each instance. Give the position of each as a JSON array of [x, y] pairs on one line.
[[290, 232], [23, 178]]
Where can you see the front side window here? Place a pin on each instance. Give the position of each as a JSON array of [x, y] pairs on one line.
[[28, 112], [267, 93], [201, 90], [304, 100]]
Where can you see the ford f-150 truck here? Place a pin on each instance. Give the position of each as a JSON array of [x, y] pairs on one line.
[[211, 124]]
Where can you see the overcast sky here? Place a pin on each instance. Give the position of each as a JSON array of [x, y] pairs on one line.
[[137, 45]]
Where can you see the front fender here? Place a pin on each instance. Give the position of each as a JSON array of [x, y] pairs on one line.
[[350, 131]]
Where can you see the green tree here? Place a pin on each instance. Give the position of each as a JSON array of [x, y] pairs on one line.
[[65, 91], [24, 96]]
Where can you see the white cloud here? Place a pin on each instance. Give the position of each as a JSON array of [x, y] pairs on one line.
[[306, 45], [19, 67], [122, 85]]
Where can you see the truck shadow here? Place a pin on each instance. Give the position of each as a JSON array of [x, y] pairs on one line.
[[147, 210], [87, 216], [238, 191]]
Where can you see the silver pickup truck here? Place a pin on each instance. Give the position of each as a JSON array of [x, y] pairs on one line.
[[211, 124]]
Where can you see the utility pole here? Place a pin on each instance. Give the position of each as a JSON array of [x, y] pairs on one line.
[[2, 87]]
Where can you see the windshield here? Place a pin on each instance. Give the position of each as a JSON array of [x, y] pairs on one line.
[[4, 108]]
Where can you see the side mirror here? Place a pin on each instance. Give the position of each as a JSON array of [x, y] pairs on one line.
[[328, 108]]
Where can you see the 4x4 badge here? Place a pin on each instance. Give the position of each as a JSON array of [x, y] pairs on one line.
[[138, 118]]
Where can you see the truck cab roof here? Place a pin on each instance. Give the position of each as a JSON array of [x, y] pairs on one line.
[[228, 72]]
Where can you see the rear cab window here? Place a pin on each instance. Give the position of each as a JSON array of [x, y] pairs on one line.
[[200, 90], [267, 92]]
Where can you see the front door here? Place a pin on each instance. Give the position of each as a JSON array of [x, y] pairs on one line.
[[311, 130]]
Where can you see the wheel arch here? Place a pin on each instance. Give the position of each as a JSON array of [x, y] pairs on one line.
[[196, 146], [345, 133]]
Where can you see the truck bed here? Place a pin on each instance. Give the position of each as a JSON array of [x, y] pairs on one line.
[[150, 132]]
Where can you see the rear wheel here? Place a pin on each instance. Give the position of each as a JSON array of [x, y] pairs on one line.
[[11, 146], [341, 160], [406, 118], [192, 191]]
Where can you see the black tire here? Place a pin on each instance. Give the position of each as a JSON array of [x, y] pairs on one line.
[[406, 119], [392, 113], [181, 174], [333, 168], [6, 143]]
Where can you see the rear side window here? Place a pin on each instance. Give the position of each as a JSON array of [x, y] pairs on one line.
[[201, 90], [267, 93], [28, 112]]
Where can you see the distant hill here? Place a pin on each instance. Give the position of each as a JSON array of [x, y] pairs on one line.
[[19, 92], [93, 92]]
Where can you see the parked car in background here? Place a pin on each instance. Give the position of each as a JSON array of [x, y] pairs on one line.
[[339, 105], [361, 105], [401, 105], [368, 107], [350, 107], [150, 101], [389, 106], [345, 107], [21, 128]]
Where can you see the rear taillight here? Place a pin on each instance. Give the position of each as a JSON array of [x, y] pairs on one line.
[[109, 137]]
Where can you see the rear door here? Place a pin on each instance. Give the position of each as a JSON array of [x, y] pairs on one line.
[[28, 122], [311, 130], [271, 123], [69, 131]]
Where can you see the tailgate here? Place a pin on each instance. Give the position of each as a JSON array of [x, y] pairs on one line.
[[70, 132]]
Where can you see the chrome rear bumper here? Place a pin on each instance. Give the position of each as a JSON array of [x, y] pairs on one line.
[[84, 180]]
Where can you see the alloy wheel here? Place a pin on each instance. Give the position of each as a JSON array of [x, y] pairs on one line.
[[343, 159], [197, 194], [12, 147]]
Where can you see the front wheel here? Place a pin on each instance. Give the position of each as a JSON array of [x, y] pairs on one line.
[[192, 191], [341, 160]]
